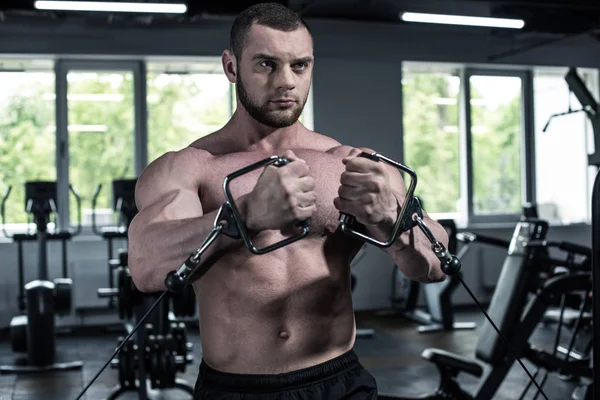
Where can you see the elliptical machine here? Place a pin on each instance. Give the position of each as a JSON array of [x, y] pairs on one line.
[[41, 299], [151, 359]]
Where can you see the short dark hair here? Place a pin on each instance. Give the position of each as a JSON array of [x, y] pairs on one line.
[[272, 15]]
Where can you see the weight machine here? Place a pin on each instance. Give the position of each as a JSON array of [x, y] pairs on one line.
[[525, 290], [150, 361], [591, 108], [40, 300]]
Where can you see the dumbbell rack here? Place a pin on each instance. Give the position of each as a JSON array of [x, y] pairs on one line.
[[158, 350], [150, 355]]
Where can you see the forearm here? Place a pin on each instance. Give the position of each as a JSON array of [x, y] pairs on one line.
[[412, 251], [157, 247]]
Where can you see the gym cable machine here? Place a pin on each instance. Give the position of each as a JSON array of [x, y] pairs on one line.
[[591, 108], [577, 86]]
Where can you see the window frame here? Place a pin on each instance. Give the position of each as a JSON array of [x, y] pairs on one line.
[[465, 214], [61, 68], [527, 165]]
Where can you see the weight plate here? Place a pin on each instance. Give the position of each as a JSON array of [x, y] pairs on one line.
[[127, 368], [18, 333], [63, 295], [126, 293]]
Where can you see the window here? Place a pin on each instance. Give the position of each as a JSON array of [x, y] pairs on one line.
[[562, 143], [101, 137], [464, 135], [27, 130], [431, 135], [186, 101], [496, 134]]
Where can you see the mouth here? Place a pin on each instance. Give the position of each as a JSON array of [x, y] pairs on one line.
[[284, 102]]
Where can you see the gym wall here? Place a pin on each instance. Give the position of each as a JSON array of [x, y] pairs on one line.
[[357, 100]]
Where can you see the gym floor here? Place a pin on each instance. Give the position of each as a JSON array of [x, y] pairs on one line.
[[392, 355]]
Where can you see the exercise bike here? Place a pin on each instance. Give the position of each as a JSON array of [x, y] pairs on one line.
[[42, 299]]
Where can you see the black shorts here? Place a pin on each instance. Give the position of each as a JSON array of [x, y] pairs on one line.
[[340, 378]]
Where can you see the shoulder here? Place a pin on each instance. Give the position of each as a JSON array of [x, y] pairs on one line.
[[173, 170], [176, 162], [189, 159]]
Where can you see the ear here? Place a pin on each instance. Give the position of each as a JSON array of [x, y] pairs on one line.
[[229, 65]]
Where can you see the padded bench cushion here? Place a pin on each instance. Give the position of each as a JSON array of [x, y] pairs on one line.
[[570, 316], [447, 359]]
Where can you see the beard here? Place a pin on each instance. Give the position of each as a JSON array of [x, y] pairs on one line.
[[265, 115]]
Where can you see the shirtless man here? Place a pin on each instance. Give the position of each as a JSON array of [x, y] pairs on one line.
[[279, 325]]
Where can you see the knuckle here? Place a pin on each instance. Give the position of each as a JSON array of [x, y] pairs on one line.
[[343, 178], [369, 199], [305, 167], [292, 201], [377, 184], [296, 213]]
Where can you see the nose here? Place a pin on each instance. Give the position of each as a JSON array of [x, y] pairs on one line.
[[285, 79]]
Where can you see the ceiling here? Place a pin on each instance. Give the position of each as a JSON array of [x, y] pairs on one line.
[[549, 17]]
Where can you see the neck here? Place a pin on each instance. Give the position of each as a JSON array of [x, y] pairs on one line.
[[252, 135]]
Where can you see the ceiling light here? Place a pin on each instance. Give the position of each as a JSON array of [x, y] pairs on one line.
[[462, 20], [106, 6]]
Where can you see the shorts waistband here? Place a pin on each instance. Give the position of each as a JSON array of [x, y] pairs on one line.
[[211, 378]]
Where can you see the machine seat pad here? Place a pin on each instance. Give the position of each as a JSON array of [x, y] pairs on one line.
[[446, 359]]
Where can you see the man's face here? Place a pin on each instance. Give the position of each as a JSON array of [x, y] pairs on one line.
[[274, 75]]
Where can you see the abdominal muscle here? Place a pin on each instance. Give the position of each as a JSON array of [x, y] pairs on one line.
[[276, 312]]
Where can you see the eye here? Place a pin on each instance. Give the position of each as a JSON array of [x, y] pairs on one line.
[[267, 64], [300, 66]]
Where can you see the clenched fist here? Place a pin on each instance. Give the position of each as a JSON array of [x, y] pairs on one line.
[[366, 191], [282, 197]]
